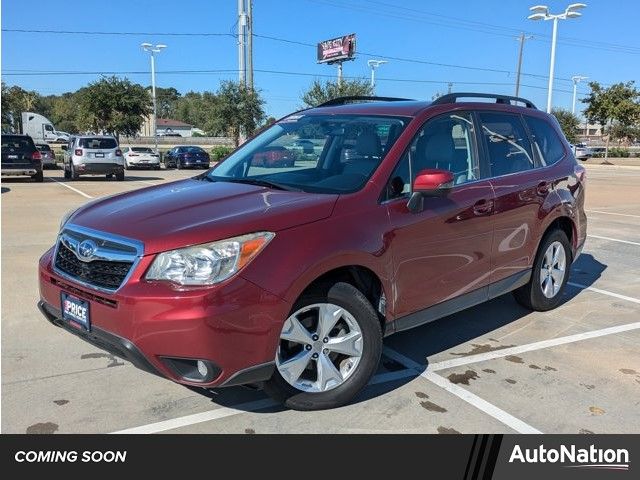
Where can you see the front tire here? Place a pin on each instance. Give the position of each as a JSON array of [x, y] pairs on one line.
[[549, 275], [330, 347]]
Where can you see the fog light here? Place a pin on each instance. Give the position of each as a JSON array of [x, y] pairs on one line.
[[202, 369]]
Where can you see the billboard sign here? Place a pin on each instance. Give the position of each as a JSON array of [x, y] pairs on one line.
[[337, 49]]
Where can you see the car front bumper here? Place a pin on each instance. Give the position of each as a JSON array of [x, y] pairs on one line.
[[233, 327]]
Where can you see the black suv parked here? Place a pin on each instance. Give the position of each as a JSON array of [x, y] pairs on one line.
[[21, 157]]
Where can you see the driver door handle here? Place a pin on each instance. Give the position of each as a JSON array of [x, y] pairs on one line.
[[483, 207]]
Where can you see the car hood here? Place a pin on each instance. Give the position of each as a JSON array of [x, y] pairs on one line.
[[192, 211]]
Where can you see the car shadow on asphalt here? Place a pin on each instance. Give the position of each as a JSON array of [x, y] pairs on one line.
[[436, 337]]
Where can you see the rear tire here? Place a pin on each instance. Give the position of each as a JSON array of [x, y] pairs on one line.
[[73, 174], [120, 176], [38, 177], [549, 275], [354, 371], [67, 173]]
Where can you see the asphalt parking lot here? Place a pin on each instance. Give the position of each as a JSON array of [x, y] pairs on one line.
[[494, 368]]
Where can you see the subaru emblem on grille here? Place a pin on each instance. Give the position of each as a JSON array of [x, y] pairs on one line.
[[86, 249]]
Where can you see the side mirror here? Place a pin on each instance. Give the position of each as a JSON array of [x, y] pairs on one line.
[[429, 183], [64, 147]]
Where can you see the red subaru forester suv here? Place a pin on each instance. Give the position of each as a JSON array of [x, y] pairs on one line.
[[393, 213]]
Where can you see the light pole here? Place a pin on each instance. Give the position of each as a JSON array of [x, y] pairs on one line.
[[541, 12], [374, 64], [576, 80], [153, 49]]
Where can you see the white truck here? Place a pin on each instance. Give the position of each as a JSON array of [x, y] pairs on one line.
[[41, 129]]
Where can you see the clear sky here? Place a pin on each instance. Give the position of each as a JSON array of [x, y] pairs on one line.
[[603, 44]]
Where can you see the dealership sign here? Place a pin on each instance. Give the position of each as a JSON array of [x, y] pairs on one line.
[[337, 49]]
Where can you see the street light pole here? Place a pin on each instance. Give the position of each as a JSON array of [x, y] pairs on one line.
[[153, 49], [576, 80], [373, 64], [541, 12]]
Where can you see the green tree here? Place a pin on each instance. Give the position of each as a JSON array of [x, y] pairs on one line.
[[16, 100], [616, 108], [166, 101], [238, 111], [569, 123], [320, 92], [113, 105]]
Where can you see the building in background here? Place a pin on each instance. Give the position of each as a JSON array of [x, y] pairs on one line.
[[166, 127], [590, 133]]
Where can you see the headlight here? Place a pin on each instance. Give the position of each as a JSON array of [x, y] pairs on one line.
[[209, 263]]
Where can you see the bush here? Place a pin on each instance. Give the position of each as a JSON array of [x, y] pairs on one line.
[[618, 152], [220, 152]]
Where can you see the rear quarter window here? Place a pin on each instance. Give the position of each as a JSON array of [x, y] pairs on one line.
[[545, 140]]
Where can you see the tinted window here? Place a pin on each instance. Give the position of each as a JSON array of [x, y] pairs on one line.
[[43, 147], [141, 150], [17, 144], [315, 153], [507, 143], [545, 140], [191, 150], [445, 143], [98, 143]]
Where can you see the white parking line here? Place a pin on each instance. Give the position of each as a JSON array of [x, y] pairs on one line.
[[489, 408], [471, 398], [612, 213], [70, 187], [604, 292], [223, 412], [613, 239], [530, 347]]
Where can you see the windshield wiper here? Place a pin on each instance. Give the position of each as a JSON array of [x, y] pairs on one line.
[[262, 183]]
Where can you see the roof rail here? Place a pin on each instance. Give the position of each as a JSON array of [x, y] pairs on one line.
[[453, 97], [359, 98]]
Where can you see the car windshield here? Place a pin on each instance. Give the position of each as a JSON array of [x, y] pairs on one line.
[[314, 153], [98, 143], [141, 150]]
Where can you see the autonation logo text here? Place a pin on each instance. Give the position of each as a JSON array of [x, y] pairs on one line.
[[573, 457]]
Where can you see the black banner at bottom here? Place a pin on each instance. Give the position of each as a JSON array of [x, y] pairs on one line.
[[464, 457]]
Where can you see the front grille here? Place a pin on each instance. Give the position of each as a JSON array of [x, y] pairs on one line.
[[100, 273]]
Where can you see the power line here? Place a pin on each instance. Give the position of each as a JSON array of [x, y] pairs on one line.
[[458, 23], [293, 42], [11, 72]]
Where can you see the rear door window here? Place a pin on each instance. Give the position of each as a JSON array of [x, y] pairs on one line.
[[98, 143], [507, 143], [546, 141]]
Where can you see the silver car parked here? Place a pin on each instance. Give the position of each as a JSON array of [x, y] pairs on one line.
[[93, 155]]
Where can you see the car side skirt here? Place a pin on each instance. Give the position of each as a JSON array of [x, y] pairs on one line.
[[460, 303]]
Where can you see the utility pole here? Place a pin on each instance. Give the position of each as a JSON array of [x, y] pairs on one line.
[[339, 74], [250, 43], [242, 21], [521, 39], [450, 87], [576, 80]]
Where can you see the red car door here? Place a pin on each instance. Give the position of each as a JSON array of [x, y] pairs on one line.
[[519, 194], [441, 254]]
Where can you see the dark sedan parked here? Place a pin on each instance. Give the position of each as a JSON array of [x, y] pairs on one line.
[[185, 156]]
